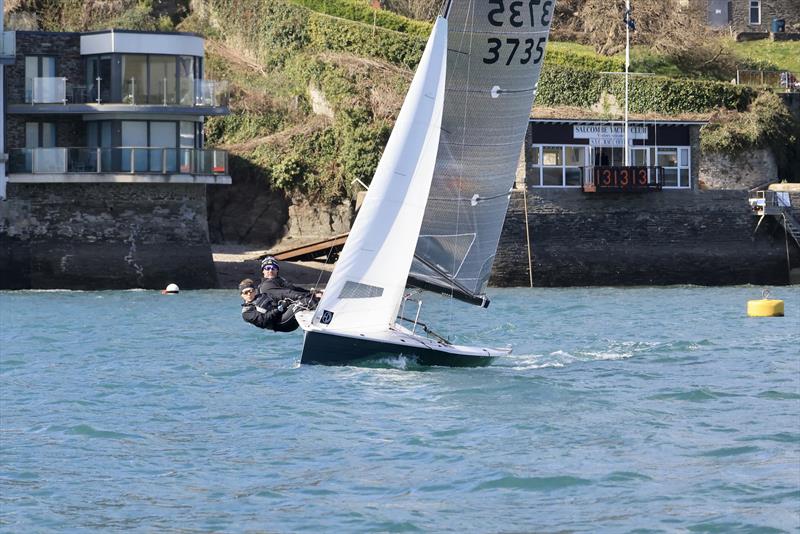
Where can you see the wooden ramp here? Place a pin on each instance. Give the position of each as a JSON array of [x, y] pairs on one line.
[[327, 249]]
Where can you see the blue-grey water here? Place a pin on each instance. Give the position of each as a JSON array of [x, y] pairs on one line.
[[646, 410]]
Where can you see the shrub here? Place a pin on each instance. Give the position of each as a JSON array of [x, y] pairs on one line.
[[566, 87], [768, 123]]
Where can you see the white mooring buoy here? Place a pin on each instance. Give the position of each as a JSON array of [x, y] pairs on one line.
[[172, 289]]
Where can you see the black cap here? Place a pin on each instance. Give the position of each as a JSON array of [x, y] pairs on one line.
[[246, 283]]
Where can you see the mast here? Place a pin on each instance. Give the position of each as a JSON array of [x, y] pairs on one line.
[[628, 23]]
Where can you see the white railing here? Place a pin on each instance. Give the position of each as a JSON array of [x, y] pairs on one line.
[[49, 91], [8, 44]]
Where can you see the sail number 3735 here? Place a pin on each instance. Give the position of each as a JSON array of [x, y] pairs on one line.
[[515, 15]]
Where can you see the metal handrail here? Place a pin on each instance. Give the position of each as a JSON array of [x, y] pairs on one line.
[[199, 93], [133, 160]]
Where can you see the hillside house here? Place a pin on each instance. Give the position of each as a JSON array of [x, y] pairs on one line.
[[753, 16]]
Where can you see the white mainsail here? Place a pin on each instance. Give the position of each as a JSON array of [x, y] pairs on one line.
[[367, 285]]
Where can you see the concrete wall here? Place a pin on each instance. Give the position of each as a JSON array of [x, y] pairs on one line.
[[670, 237], [105, 236]]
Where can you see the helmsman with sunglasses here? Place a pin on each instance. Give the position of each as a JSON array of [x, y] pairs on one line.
[[276, 287]]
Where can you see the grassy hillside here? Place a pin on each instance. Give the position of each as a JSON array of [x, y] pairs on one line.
[[783, 55]]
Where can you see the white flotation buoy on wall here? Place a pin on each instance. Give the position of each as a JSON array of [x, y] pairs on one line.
[[765, 307], [172, 289]]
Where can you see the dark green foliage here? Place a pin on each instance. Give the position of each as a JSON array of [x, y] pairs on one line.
[[563, 87], [562, 59], [326, 33]]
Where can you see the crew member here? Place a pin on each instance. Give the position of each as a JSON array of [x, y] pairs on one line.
[[257, 309], [279, 289], [262, 311]]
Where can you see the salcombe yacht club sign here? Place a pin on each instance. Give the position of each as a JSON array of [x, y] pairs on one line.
[[608, 135]]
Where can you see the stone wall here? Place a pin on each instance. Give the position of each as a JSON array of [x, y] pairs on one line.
[[105, 236], [752, 168], [789, 10], [670, 237]]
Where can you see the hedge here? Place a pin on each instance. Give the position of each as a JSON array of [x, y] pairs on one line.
[[556, 58], [358, 10], [326, 33], [583, 88]]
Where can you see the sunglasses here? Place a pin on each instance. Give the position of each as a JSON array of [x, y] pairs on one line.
[[270, 268], [247, 291]]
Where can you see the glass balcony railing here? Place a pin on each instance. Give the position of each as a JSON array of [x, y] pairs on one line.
[[164, 92], [47, 91], [8, 44], [132, 160]]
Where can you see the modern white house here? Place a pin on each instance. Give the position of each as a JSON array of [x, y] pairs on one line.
[[106, 174]]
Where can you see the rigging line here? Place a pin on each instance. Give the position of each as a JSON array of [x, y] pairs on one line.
[[327, 259], [527, 227]]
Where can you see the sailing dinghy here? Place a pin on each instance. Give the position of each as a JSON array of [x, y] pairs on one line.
[[434, 211]]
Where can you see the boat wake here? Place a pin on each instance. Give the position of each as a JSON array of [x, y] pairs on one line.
[[562, 358]]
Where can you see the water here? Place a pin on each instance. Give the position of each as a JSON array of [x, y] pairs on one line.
[[648, 410]]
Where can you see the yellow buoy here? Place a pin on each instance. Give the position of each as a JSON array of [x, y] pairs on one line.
[[765, 307]]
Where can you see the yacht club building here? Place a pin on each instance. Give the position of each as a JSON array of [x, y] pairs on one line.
[[568, 153]]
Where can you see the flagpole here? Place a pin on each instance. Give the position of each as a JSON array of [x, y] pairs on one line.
[[627, 68]]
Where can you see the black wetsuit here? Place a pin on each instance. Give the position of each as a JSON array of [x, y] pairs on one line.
[[261, 312], [264, 312], [279, 289]]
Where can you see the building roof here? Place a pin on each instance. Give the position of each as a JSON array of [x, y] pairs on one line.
[[571, 115]]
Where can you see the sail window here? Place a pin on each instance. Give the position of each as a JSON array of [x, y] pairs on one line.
[[355, 290]]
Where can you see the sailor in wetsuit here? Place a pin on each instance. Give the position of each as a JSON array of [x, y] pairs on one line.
[[279, 289], [257, 309], [261, 311]]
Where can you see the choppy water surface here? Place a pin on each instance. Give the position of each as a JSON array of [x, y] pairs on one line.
[[651, 409]]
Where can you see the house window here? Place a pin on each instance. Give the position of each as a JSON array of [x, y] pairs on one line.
[[557, 166], [755, 12], [37, 67], [159, 79], [675, 161], [40, 135]]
